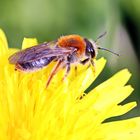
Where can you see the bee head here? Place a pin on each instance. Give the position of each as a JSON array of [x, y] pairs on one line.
[[91, 48]]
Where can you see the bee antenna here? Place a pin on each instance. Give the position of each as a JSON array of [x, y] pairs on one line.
[[100, 36], [108, 51]]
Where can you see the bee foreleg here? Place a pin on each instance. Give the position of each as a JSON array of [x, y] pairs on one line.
[[93, 64], [84, 61], [53, 72]]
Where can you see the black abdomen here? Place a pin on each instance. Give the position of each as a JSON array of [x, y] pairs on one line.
[[37, 64]]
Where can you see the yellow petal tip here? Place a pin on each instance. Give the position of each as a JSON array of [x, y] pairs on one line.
[[29, 42]]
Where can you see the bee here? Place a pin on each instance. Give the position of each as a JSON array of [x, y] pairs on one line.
[[65, 51]]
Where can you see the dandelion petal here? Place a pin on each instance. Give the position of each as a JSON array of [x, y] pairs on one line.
[[29, 42]]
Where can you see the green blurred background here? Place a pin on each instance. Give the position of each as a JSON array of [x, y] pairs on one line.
[[48, 19]]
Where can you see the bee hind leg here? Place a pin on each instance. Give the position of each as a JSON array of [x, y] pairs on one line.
[[53, 72], [67, 71]]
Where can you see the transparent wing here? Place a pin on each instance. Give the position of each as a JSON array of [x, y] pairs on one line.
[[43, 50]]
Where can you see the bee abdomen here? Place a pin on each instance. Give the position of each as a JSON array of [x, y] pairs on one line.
[[34, 65]]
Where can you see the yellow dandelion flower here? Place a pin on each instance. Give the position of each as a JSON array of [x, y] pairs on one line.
[[29, 111]]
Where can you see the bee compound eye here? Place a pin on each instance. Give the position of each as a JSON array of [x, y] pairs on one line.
[[89, 49]]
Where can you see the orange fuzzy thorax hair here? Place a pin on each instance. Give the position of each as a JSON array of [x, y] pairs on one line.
[[73, 41]]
